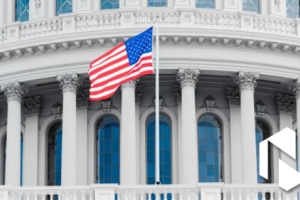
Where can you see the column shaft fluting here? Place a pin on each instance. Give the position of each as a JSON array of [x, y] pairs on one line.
[[129, 148], [188, 138], [247, 82]]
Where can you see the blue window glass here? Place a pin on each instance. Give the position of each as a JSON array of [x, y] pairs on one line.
[[209, 149], [109, 4], [262, 132], [157, 3], [205, 3], [251, 5], [21, 160], [292, 8], [54, 154], [165, 151], [63, 6], [108, 150], [22, 10]]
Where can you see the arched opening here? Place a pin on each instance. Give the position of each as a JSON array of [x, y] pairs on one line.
[[108, 150], [54, 154], [165, 149], [209, 149]]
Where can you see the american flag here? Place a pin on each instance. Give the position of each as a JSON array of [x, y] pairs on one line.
[[125, 62]]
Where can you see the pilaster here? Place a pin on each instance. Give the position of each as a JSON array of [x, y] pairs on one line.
[[82, 102], [10, 11], [189, 146], [69, 84], [38, 9], [232, 5], [14, 93], [234, 101], [246, 81], [84, 5], [138, 99], [295, 88], [32, 108], [129, 148], [277, 8]]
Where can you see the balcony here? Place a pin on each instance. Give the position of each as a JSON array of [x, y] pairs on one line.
[[209, 191]]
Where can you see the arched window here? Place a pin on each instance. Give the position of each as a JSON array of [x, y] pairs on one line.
[[292, 8], [110, 4], [205, 3], [4, 160], [64, 6], [22, 10], [165, 149], [251, 5], [157, 3], [209, 149], [54, 154], [108, 150], [262, 132]]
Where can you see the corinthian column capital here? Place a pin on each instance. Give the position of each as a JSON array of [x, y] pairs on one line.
[[14, 91], [188, 77], [130, 84], [246, 80], [295, 87], [69, 82]]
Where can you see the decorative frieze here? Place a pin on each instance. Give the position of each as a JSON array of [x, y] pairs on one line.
[[69, 82], [82, 99], [233, 95], [285, 103], [188, 77], [177, 93], [246, 80], [210, 103], [295, 87], [32, 105], [260, 107], [14, 91], [138, 93], [56, 109]]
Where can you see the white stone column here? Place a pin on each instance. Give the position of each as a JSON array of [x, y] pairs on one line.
[[246, 82], [138, 99], [32, 108], [189, 145], [69, 84], [233, 95], [82, 137], [295, 88], [10, 11], [14, 93], [129, 173], [285, 109]]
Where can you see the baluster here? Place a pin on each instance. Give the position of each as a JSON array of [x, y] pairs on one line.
[[240, 193], [157, 196], [51, 196], [264, 194], [165, 195], [173, 196], [224, 192], [142, 196], [181, 195], [149, 195]]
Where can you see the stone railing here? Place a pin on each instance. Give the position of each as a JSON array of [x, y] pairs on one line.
[[143, 18], [204, 191]]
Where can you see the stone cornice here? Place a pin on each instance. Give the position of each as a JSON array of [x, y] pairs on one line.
[[69, 82], [246, 80], [188, 77], [14, 91]]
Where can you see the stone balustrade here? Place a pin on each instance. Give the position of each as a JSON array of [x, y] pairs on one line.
[[203, 191]]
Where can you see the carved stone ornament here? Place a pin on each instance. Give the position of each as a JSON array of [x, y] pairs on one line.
[[138, 93], [260, 107], [295, 87], [37, 3], [285, 103], [177, 93], [56, 110], [69, 82], [246, 80], [32, 105], [14, 91], [277, 2], [82, 99], [210, 103], [106, 105], [160, 101], [188, 77], [233, 96]]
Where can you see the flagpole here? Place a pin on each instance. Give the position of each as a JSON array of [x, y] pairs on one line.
[[157, 177]]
